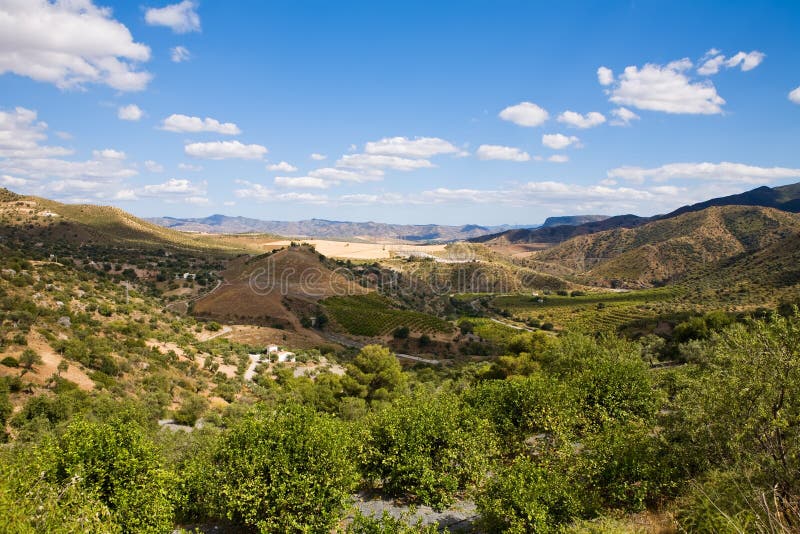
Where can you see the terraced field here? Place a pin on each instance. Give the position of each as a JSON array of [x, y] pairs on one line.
[[374, 315], [594, 312]]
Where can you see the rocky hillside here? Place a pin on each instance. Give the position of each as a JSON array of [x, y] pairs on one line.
[[665, 250]]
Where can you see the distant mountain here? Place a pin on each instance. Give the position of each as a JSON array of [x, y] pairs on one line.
[[572, 220], [784, 198], [665, 250], [558, 234], [223, 224]]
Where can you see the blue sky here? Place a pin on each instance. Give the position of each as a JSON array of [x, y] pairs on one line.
[[483, 112]]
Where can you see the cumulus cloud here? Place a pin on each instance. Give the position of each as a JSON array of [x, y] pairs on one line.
[[525, 114], [186, 124], [507, 153], [173, 186], [590, 120], [189, 167], [153, 166], [360, 161], [260, 193], [605, 76], [181, 18], [109, 153], [558, 158], [70, 44], [419, 147], [794, 96], [282, 167], [302, 182], [715, 172], [623, 117], [179, 54], [318, 157], [559, 141], [744, 60], [225, 150], [131, 112], [21, 134], [342, 175], [666, 88]]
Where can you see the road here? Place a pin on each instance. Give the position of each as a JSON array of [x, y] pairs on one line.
[[347, 342]]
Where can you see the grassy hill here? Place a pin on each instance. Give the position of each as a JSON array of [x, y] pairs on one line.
[[34, 218], [665, 250]]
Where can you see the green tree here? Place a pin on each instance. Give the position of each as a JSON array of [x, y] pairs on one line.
[[427, 447], [374, 375], [116, 462], [29, 358], [281, 471]]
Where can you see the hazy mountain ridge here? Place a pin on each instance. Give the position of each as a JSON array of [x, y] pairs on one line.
[[224, 224], [573, 220]]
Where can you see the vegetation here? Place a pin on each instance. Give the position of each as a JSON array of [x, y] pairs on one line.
[[374, 315]]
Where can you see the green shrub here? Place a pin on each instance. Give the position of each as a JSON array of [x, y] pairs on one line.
[[427, 447], [284, 471]]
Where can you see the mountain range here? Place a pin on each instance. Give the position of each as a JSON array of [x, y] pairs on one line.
[[223, 224], [784, 198]]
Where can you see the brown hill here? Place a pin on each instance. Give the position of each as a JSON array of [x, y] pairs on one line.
[[665, 250], [275, 288]]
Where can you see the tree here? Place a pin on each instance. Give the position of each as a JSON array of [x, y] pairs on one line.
[[374, 375], [289, 470], [427, 447], [29, 358], [192, 407], [115, 462], [401, 332]]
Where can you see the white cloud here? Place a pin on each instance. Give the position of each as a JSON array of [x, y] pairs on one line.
[[179, 54], [525, 114], [131, 112], [21, 133], [507, 153], [318, 157], [558, 158], [341, 175], [225, 150], [744, 60], [11, 181], [153, 166], [69, 43], [181, 18], [282, 167], [666, 88], [184, 123], [420, 147], [305, 182], [360, 161], [623, 117], [590, 120], [261, 193], [605, 76], [715, 172], [100, 170], [173, 187], [109, 153], [197, 201], [794, 96], [189, 167], [559, 141]]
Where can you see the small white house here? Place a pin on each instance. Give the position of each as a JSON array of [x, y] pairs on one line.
[[272, 349], [285, 356]]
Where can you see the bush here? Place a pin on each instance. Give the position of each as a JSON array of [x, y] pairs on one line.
[[428, 448], [526, 497], [284, 471], [401, 332], [10, 361]]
